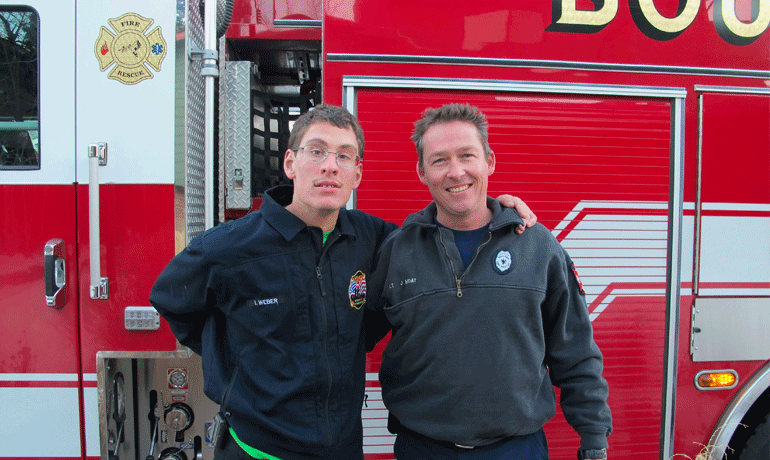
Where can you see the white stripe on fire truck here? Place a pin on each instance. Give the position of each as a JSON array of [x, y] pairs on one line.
[[53, 411], [38, 377], [45, 377]]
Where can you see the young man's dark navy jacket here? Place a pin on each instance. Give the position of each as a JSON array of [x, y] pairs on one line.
[[277, 317]]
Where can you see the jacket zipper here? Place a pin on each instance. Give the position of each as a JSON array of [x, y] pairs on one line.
[[325, 348], [458, 281], [226, 397], [320, 281]]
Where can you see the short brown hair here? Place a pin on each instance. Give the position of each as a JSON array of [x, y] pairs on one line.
[[332, 114], [448, 113]]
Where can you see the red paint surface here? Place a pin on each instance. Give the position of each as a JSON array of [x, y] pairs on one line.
[[253, 19], [502, 30], [736, 164], [36, 337], [555, 151], [137, 241]]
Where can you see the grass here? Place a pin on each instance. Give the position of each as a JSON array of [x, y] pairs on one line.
[[707, 451]]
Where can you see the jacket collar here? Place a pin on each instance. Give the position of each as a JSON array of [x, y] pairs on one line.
[[501, 217], [273, 209]]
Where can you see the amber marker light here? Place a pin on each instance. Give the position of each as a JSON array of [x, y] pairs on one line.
[[716, 380]]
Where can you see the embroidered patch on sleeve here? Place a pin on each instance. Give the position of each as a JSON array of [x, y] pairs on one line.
[[577, 277], [357, 290]]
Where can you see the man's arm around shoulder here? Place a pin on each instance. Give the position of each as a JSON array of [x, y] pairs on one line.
[[376, 322]]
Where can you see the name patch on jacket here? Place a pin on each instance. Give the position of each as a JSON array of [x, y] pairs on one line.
[[262, 302], [503, 262], [357, 290]]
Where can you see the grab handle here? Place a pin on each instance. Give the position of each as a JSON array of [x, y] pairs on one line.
[[97, 156]]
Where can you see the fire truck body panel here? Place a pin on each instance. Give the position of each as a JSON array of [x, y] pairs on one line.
[[638, 132], [38, 380], [49, 376], [135, 117], [551, 146], [39, 374], [276, 20], [618, 221], [548, 33]]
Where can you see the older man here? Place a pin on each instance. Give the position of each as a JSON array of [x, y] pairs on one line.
[[485, 321]]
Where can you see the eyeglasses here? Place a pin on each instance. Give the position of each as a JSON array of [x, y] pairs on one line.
[[344, 159]]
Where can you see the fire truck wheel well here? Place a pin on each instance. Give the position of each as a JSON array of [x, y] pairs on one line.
[[758, 444], [741, 417], [750, 436]]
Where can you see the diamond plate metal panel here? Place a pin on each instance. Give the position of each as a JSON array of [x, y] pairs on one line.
[[235, 133], [194, 129]]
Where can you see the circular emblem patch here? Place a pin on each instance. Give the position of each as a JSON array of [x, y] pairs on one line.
[[130, 49], [357, 290], [502, 262]]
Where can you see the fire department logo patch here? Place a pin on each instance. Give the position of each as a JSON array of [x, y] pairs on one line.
[[357, 290], [130, 49], [503, 262]]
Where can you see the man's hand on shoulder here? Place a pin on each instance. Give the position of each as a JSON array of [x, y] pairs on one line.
[[521, 207]]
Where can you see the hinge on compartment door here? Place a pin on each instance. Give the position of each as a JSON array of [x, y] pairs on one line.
[[693, 330]]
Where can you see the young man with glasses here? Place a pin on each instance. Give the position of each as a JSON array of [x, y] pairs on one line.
[[274, 303]]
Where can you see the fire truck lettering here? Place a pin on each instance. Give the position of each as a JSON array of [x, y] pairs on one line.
[[566, 17], [569, 14], [658, 27], [130, 24], [735, 31]]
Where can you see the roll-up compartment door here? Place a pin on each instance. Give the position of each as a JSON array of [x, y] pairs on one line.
[[596, 171]]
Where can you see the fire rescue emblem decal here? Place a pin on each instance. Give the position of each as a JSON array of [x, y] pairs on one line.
[[357, 290], [130, 49], [502, 262]]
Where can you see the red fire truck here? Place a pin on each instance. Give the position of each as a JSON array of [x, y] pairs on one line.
[[638, 131]]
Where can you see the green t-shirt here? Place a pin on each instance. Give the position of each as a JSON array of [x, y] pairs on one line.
[[326, 235], [256, 453]]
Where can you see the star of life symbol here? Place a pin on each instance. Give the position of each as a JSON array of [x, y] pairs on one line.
[[130, 48]]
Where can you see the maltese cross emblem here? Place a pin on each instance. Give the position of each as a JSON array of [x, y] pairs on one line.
[[130, 48]]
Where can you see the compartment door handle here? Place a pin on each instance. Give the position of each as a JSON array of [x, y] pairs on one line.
[[55, 273]]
